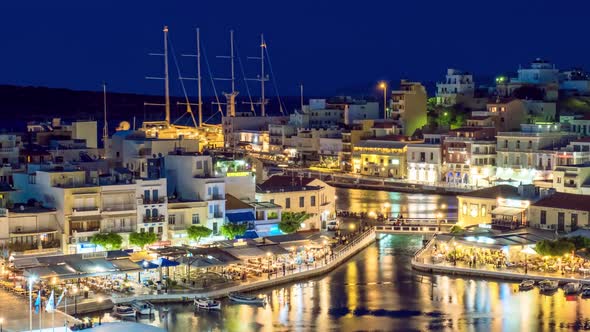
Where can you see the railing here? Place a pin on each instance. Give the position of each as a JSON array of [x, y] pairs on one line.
[[85, 211], [217, 197], [153, 219], [160, 200], [125, 229], [509, 224], [118, 207]]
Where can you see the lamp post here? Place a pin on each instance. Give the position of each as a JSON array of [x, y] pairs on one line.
[[31, 281], [384, 87], [75, 292]]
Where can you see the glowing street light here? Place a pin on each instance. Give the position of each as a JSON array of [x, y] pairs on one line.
[[31, 281], [383, 86]]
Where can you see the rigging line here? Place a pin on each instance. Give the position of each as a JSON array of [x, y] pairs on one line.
[[211, 79], [244, 77], [181, 81], [274, 82]]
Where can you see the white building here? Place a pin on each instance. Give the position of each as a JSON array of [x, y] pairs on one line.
[[574, 82], [425, 159], [457, 85]]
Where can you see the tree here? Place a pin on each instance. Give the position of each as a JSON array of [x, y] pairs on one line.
[[142, 239], [109, 241], [195, 232], [580, 242], [554, 248], [231, 230], [291, 221]]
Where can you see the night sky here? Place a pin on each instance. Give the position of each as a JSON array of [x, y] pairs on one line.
[[328, 45]]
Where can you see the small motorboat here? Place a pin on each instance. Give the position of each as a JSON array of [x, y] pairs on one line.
[[548, 286], [526, 285], [247, 299], [586, 292], [123, 311], [143, 307], [572, 288], [208, 304]]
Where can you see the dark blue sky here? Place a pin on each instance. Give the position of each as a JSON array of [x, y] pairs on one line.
[[326, 44]]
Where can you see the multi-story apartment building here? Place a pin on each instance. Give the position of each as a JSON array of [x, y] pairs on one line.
[[425, 159], [298, 194], [574, 82], [408, 107], [521, 156], [573, 179], [457, 86], [469, 156], [383, 157], [541, 74]]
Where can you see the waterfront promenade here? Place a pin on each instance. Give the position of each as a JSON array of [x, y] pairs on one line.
[[318, 268], [422, 261]]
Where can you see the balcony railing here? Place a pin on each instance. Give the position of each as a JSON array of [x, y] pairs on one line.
[[218, 215], [153, 219], [146, 201], [125, 229], [217, 197], [85, 211], [118, 207]]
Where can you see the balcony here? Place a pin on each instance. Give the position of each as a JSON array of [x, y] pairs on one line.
[[217, 197], [218, 215], [118, 207], [85, 232], [145, 201], [153, 219], [125, 229], [85, 211], [456, 149]]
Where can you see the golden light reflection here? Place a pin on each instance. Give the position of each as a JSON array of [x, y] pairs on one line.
[[351, 290]]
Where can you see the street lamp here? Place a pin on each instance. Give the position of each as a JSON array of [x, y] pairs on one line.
[[75, 292], [31, 281], [383, 86]]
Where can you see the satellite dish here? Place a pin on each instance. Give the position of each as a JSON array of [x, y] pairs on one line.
[[123, 125]]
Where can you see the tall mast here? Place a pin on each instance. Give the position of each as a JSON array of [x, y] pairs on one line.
[[231, 56], [301, 95], [166, 83], [105, 128], [199, 75], [262, 79]]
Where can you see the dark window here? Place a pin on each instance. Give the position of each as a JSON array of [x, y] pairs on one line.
[[574, 221], [287, 203], [543, 217], [301, 201], [195, 219], [160, 229], [172, 219], [560, 221], [312, 200]]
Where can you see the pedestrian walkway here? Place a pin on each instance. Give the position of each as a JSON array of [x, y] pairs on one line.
[[15, 314]]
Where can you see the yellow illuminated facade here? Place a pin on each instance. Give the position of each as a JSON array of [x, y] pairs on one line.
[[383, 160]]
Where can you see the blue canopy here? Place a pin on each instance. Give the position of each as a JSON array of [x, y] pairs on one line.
[[250, 234], [163, 262], [147, 265], [240, 217]]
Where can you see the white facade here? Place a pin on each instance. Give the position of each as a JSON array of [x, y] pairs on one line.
[[457, 83], [152, 207], [424, 162]]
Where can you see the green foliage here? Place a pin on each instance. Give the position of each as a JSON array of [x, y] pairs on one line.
[[291, 221], [558, 247], [231, 230], [456, 229], [195, 232], [109, 241], [142, 239], [580, 242]]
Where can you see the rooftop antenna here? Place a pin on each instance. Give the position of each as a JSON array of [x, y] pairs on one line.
[[301, 95], [105, 128], [231, 97], [262, 78], [165, 78], [198, 78]]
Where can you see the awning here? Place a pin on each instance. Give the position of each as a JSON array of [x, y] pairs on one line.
[[239, 217], [507, 211], [246, 252], [249, 234], [163, 262], [147, 265], [39, 272], [124, 265]]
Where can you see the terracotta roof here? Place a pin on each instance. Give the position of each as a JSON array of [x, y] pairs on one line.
[[233, 203], [565, 201], [582, 140], [503, 190]]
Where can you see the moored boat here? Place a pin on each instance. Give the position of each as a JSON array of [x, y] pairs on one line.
[[123, 311], [586, 292], [572, 288], [208, 304], [548, 286], [143, 307], [246, 298], [526, 285]]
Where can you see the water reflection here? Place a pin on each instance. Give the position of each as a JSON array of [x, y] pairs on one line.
[[378, 290], [409, 205]]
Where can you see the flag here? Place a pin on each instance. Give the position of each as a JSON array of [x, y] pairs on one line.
[[61, 297], [38, 303], [50, 305]]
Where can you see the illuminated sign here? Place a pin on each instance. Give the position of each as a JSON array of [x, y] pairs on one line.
[[235, 174]]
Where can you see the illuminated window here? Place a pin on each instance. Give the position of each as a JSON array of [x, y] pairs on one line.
[[473, 210], [464, 209], [483, 211]]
